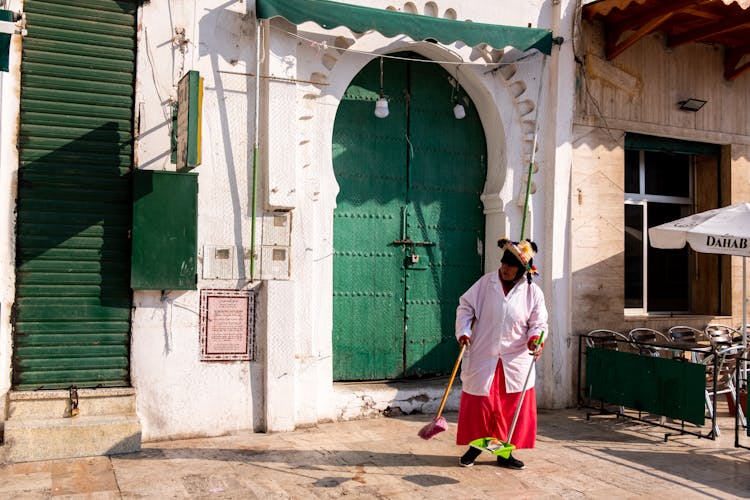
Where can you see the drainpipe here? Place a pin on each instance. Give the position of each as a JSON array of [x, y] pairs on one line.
[[255, 149], [533, 149]]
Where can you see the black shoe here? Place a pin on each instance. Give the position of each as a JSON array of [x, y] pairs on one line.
[[510, 463], [467, 460]]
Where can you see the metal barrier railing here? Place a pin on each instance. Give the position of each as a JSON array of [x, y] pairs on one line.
[[673, 388]]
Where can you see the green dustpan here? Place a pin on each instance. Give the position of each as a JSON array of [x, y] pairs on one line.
[[493, 446]]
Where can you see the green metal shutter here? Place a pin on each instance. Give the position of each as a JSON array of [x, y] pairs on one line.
[[72, 310]]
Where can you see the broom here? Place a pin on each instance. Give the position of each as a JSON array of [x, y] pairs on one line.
[[439, 423]]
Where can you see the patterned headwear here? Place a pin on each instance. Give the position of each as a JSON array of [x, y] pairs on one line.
[[519, 252]]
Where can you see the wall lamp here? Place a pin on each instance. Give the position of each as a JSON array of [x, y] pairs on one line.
[[691, 104]]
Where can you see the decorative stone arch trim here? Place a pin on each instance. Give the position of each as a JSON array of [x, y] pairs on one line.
[[504, 91], [323, 63]]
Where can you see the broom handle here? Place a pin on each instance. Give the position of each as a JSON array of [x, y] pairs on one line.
[[450, 381], [523, 394]]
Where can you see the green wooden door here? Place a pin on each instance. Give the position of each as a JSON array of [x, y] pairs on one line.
[[72, 308], [408, 227]]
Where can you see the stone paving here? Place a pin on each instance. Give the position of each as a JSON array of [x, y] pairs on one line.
[[604, 457]]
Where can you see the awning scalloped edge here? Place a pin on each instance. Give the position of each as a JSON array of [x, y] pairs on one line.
[[742, 3]]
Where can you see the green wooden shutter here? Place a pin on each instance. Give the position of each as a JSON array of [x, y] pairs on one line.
[[410, 185], [447, 170], [72, 310], [368, 159]]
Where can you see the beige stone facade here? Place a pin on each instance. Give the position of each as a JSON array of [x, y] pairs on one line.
[[638, 92]]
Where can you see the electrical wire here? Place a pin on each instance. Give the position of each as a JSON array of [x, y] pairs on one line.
[[324, 45], [150, 57]]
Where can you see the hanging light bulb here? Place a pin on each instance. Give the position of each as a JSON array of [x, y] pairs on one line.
[[381, 106], [458, 110]]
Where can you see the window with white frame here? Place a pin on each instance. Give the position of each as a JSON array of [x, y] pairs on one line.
[[660, 186]]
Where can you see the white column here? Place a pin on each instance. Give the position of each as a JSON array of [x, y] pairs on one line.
[[558, 364]]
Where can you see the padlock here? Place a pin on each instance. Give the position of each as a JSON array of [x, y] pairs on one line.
[[414, 258], [73, 401]]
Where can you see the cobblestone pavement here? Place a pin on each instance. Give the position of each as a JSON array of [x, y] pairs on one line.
[[575, 457]]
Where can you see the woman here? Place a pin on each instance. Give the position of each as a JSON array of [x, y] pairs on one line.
[[500, 319]]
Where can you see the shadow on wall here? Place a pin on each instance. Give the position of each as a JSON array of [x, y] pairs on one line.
[[599, 295], [73, 256], [230, 38]]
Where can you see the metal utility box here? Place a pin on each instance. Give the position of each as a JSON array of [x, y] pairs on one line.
[[165, 230], [277, 227], [219, 262], [276, 251]]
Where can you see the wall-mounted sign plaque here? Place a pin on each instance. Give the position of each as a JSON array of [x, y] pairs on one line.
[[227, 325], [189, 120]]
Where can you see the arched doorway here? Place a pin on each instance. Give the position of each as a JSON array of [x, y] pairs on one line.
[[409, 226]]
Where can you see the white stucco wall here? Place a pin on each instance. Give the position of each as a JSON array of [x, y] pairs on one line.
[[290, 384], [177, 394], [10, 89]]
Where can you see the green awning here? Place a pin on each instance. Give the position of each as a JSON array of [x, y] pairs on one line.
[[328, 15]]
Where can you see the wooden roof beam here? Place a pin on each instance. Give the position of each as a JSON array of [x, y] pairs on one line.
[[604, 8], [614, 49], [703, 14], [670, 7], [732, 57], [733, 73], [712, 29]]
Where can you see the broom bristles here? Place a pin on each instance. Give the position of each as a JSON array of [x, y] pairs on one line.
[[434, 428]]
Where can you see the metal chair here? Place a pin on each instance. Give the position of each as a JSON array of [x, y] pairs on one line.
[[686, 335], [646, 335], [723, 335], [720, 371], [605, 339]]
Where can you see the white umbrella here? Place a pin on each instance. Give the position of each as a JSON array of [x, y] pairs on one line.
[[722, 231]]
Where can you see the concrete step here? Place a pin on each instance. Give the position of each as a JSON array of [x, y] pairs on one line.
[[40, 425], [28, 440], [57, 403], [355, 400]]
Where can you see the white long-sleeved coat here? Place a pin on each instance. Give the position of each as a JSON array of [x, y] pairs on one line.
[[504, 324]]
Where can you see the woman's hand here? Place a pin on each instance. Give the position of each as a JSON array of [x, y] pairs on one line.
[[464, 340], [535, 346]]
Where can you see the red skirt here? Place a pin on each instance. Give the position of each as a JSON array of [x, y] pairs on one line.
[[492, 415]]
